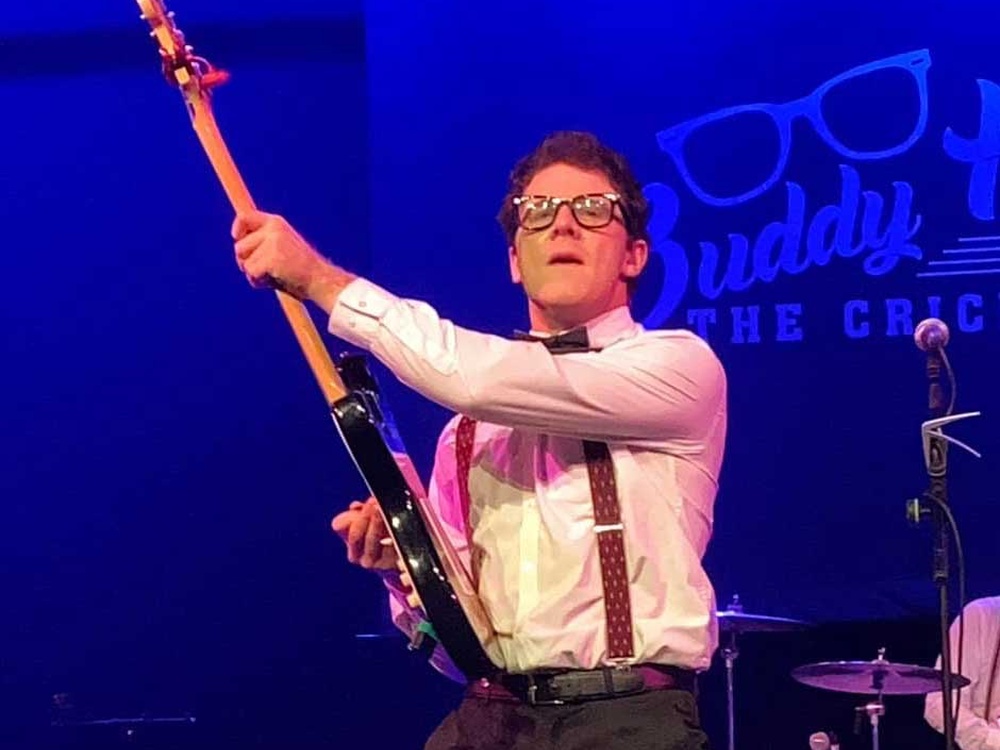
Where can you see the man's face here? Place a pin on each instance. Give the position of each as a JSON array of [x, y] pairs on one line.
[[572, 273]]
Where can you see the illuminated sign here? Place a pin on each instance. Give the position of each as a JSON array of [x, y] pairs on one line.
[[879, 230]]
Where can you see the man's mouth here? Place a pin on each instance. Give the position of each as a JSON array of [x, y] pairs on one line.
[[565, 259]]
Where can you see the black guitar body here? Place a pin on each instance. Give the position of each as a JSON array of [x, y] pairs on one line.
[[371, 437]]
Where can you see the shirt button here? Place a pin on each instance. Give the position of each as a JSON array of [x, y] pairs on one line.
[[362, 303]]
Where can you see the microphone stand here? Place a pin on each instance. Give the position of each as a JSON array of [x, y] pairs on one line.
[[937, 492], [935, 446]]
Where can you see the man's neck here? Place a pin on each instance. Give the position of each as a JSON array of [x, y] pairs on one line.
[[557, 321]]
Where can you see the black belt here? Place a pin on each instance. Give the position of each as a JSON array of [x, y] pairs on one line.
[[580, 685]]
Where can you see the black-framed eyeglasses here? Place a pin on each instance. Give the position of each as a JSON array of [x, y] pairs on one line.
[[591, 210]]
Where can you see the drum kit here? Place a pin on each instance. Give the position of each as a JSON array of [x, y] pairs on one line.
[[876, 678]]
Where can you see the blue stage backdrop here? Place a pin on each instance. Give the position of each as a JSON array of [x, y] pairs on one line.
[[823, 177]]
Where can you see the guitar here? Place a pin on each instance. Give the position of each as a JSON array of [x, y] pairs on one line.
[[454, 615]]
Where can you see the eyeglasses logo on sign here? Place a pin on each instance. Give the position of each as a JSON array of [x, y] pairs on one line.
[[879, 231]]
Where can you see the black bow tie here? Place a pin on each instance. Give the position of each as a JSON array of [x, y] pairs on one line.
[[573, 340]]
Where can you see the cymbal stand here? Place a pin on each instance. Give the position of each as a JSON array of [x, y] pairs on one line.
[[729, 654], [874, 709]]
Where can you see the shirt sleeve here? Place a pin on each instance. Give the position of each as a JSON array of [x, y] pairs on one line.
[[972, 732], [647, 389], [442, 500]]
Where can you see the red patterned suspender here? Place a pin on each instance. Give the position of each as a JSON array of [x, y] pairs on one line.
[[608, 526]]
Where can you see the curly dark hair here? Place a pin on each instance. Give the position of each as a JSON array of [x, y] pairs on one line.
[[585, 151]]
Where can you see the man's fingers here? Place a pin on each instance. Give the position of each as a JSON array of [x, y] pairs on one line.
[[373, 536], [247, 244], [378, 544], [356, 538], [342, 521], [363, 530], [246, 222], [257, 269], [412, 598]]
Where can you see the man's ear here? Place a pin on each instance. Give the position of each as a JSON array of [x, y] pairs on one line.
[[515, 271], [636, 257]]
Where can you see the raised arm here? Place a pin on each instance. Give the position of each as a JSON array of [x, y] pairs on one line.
[[649, 388]]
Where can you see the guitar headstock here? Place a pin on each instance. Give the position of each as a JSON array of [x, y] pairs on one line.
[[181, 66]]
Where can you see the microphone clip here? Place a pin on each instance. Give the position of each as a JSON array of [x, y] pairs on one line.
[[936, 459], [933, 439]]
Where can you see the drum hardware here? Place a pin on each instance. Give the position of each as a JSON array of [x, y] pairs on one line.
[[732, 621], [877, 677]]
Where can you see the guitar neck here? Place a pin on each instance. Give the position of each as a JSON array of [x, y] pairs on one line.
[[239, 196]]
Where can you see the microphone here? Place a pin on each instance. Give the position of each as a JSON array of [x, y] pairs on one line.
[[823, 741], [931, 334]]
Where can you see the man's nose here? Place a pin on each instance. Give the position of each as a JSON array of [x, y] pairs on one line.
[[565, 222]]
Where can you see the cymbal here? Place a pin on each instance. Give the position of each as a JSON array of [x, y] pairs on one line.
[[738, 621], [873, 677]]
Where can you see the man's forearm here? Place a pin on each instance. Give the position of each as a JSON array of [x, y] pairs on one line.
[[327, 283]]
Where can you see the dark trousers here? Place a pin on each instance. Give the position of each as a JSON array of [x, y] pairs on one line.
[[655, 720]]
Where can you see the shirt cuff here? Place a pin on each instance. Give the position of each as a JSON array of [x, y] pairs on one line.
[[358, 311]]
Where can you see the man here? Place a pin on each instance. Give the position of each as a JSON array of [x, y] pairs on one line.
[[582, 669], [978, 725]]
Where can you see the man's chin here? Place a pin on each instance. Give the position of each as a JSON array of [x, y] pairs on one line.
[[564, 311], [560, 294], [560, 303]]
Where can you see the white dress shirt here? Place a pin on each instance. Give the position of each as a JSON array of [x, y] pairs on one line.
[[982, 632], [657, 398]]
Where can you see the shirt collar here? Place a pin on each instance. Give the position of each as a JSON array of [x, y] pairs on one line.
[[607, 328]]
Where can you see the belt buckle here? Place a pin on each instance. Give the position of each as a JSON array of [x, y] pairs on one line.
[[626, 667], [621, 665], [533, 695]]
